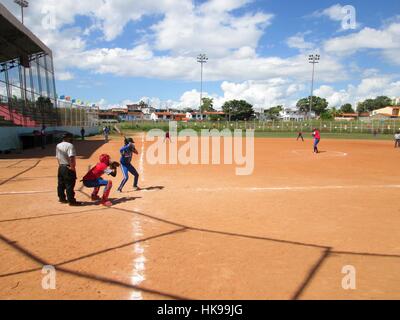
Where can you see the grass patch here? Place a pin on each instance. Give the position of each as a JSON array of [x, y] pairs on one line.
[[290, 135], [344, 136]]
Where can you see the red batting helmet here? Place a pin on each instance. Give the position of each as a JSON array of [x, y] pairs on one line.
[[105, 158]]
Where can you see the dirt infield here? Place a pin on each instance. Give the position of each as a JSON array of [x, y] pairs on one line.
[[201, 232]]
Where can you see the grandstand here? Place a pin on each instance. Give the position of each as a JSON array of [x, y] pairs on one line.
[[28, 98]]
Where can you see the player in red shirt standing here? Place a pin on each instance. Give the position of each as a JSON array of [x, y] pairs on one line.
[[317, 139], [94, 180]]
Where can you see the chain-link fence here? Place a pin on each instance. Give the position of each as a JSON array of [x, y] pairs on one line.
[[359, 127], [73, 115]]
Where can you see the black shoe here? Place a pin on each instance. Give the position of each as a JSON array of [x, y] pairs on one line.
[[63, 201], [75, 204]]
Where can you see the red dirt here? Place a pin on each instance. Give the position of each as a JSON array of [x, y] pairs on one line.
[[284, 232]]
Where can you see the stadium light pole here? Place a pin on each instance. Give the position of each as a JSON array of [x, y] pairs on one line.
[[23, 4], [201, 58], [313, 59]]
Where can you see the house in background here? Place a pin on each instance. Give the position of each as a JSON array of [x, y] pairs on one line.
[[107, 116], [206, 115], [189, 116], [120, 112], [161, 115], [389, 112], [347, 116], [140, 111], [295, 115]]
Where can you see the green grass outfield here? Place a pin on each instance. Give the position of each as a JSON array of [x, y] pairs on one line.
[[293, 135], [282, 129], [349, 136]]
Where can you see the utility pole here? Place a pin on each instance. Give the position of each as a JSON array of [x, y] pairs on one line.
[[201, 58], [314, 59], [23, 4]]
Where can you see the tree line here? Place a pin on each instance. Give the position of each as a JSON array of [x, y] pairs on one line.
[[320, 106], [239, 110]]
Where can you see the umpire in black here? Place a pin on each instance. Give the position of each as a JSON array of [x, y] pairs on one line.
[[66, 156]]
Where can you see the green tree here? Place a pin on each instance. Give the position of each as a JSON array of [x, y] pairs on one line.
[[347, 108], [187, 110], [273, 113], [207, 104], [238, 110], [327, 115], [374, 104], [143, 104], [319, 105], [335, 112]]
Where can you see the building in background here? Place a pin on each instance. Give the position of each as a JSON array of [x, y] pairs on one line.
[[107, 116], [347, 116], [294, 115], [389, 112], [140, 111]]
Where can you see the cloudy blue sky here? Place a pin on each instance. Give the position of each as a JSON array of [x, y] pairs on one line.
[[113, 52]]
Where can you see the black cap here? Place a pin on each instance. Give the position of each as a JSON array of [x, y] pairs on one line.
[[68, 135]]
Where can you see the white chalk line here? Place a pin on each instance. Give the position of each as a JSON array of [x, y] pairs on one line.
[[299, 188], [24, 192], [141, 161], [250, 189]]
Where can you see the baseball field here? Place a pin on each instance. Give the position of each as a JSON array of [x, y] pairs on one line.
[[291, 230]]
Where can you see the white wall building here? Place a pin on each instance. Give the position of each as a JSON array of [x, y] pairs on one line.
[[153, 116], [294, 115], [189, 116]]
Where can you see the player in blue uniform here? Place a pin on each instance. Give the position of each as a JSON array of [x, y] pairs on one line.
[[126, 166]]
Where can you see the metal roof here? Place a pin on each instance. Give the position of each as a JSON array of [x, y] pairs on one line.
[[16, 40]]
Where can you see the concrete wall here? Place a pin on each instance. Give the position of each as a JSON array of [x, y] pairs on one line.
[[9, 136]]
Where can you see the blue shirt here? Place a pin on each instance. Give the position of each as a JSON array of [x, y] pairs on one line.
[[126, 154]]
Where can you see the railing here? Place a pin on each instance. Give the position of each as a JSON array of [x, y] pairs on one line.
[[32, 114], [27, 114]]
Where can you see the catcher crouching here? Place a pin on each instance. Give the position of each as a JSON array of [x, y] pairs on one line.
[[93, 179]]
